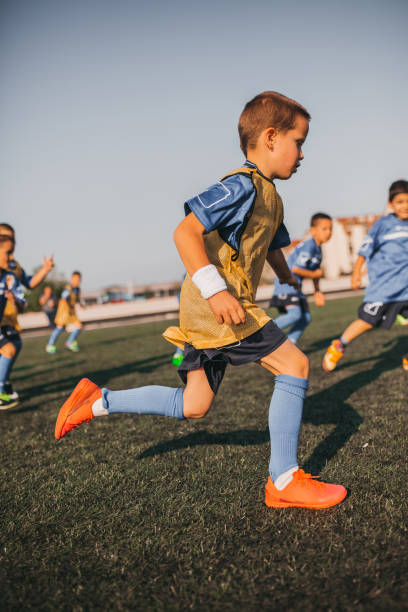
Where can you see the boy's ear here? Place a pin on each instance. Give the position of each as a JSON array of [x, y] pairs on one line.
[[270, 137]]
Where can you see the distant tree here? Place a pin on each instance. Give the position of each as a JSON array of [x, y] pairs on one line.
[[55, 280]]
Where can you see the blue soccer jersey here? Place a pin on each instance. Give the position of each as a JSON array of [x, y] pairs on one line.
[[226, 207], [23, 277], [307, 256], [385, 249], [9, 282]]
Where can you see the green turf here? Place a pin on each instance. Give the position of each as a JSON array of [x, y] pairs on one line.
[[148, 513]]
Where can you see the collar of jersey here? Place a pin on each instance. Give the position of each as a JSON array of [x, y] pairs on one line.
[[250, 164]]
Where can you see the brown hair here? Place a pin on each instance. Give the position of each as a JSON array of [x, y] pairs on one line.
[[7, 228], [318, 217], [397, 187], [267, 109]]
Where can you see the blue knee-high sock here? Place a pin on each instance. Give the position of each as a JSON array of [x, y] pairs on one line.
[[299, 327], [285, 415], [5, 365], [18, 346], [164, 401], [293, 314], [55, 334], [74, 335]]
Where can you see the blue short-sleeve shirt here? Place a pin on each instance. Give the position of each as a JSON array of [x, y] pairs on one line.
[[25, 279], [308, 256], [226, 207], [385, 249]]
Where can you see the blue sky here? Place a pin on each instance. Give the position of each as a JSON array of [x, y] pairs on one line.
[[113, 113]]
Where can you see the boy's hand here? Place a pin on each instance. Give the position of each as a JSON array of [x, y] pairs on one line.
[[319, 298], [48, 264], [226, 308], [290, 280], [10, 297], [355, 281]]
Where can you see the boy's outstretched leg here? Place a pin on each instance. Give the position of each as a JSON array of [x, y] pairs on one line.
[[336, 350], [287, 485], [7, 355], [87, 401], [72, 343], [55, 334]]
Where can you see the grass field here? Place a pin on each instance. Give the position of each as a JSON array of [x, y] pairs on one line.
[[149, 513]]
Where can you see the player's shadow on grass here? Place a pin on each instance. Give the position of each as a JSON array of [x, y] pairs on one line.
[[330, 406], [99, 376], [326, 407]]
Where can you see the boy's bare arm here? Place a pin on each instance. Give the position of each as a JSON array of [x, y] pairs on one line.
[[356, 275], [39, 276], [277, 261], [314, 274], [189, 241]]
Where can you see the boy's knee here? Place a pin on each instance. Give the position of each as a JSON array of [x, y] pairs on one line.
[[301, 366], [195, 408]]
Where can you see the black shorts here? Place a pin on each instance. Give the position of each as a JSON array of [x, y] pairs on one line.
[[382, 315], [215, 360], [282, 301], [9, 334]]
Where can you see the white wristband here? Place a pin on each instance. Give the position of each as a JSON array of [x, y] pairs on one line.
[[209, 281]]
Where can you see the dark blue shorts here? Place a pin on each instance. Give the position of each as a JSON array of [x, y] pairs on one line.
[[9, 334], [215, 360], [281, 302], [379, 314]]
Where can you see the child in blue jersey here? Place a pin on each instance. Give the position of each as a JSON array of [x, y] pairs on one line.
[[9, 316], [10, 291], [228, 233], [385, 252], [304, 262]]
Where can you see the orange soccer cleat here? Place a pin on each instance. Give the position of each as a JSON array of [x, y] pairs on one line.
[[78, 407], [333, 354], [304, 491], [405, 363]]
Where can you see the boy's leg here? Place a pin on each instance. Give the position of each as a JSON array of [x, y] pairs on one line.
[[287, 485], [291, 316], [55, 334], [336, 350], [7, 352], [17, 343], [87, 401], [299, 327], [71, 342]]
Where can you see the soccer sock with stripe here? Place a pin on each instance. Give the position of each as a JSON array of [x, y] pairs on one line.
[[285, 415], [163, 401], [5, 365]]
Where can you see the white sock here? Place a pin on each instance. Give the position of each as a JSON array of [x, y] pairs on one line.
[[285, 478], [98, 409]]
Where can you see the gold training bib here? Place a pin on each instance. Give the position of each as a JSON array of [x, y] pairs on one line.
[[241, 272]]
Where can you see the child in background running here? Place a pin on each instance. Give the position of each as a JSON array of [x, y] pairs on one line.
[[385, 252], [12, 292], [304, 262], [66, 315], [227, 234]]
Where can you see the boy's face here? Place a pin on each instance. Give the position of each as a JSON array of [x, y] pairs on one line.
[[6, 232], [322, 231], [75, 280], [285, 150], [399, 206], [6, 254]]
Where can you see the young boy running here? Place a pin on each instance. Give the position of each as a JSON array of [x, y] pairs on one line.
[[66, 315], [304, 262], [10, 315], [228, 232], [385, 251], [11, 291]]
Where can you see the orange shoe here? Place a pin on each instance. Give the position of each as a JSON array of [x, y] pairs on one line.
[[78, 407], [304, 491], [332, 356], [405, 363]]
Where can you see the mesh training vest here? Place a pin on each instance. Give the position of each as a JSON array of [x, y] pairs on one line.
[[10, 310], [241, 271]]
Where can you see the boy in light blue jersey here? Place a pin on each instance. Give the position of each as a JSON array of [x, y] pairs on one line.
[[385, 252], [304, 262]]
